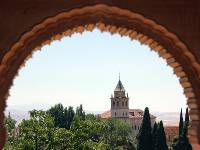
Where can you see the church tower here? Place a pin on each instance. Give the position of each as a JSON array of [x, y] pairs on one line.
[[119, 102]]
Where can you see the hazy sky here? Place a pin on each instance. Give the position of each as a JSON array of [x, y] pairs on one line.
[[83, 69]]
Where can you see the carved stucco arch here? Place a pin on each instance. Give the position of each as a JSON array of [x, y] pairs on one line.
[[114, 20]]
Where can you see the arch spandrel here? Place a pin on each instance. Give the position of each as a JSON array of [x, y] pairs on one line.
[[178, 16], [114, 20]]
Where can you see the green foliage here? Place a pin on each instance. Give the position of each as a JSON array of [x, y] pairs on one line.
[[118, 133], [154, 132], [62, 139], [181, 123], [70, 117], [10, 125], [86, 130], [175, 141], [57, 112], [160, 138], [63, 117], [80, 112], [91, 145], [73, 131], [145, 140], [35, 131], [182, 142], [187, 120]]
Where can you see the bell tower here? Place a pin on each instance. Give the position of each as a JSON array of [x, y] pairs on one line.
[[119, 102]]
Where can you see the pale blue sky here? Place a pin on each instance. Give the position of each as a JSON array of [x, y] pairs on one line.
[[83, 69]]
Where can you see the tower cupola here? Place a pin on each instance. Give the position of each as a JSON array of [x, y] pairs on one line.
[[120, 102]]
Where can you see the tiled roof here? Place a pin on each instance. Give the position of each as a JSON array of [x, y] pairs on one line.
[[106, 114], [139, 113], [133, 113]]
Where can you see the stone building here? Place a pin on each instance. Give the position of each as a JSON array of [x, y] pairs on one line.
[[171, 132], [170, 28], [120, 109]]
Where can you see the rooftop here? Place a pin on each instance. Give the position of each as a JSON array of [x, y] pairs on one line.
[[133, 113], [119, 86]]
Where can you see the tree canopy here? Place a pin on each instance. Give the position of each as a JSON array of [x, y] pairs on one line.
[[182, 142], [63, 128], [145, 140]]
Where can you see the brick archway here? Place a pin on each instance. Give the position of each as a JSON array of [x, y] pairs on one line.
[[114, 20]]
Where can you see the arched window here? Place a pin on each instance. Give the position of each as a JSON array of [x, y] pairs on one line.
[[122, 103], [135, 127], [126, 103], [115, 114], [117, 103]]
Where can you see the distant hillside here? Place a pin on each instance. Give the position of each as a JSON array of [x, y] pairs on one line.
[[21, 112], [168, 118], [18, 115]]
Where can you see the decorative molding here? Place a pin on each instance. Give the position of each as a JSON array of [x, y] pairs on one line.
[[20, 52]]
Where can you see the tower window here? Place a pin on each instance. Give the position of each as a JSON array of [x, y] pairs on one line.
[[117, 103], [126, 104], [113, 103], [122, 103]]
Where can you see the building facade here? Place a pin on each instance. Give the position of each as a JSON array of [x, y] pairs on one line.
[[120, 109], [171, 132]]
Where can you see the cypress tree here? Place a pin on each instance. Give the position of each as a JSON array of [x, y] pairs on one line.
[[187, 119], [154, 130], [183, 141], [57, 112], [187, 116], [80, 112], [70, 116], [145, 141], [65, 118], [181, 123], [161, 143]]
